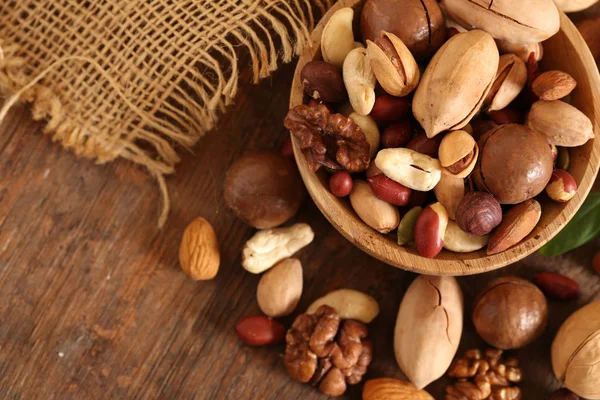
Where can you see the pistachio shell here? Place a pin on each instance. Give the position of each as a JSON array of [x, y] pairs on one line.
[[529, 21], [455, 146], [456, 82], [398, 75], [337, 39], [510, 81]]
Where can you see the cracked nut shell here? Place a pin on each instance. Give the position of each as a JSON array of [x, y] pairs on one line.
[[510, 313], [515, 163], [458, 153], [418, 23]]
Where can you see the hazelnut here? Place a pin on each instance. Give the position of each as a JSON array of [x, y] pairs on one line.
[[510, 313], [478, 213], [323, 81], [458, 153], [562, 186], [515, 163], [263, 188], [419, 24]]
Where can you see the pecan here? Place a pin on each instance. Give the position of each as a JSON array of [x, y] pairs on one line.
[[327, 139]]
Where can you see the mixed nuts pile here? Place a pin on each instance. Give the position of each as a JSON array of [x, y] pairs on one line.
[[436, 123]]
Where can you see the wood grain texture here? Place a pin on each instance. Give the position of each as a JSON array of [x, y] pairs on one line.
[[565, 51], [94, 305]]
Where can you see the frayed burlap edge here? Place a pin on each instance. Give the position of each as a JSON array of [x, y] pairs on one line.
[[290, 23]]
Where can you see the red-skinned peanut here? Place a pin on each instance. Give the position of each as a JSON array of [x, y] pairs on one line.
[[506, 116], [418, 198], [396, 135], [389, 190], [388, 108], [430, 230], [554, 152], [422, 144], [557, 285], [373, 170], [340, 184], [260, 330], [562, 186]]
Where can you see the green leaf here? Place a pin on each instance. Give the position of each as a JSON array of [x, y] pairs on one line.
[[584, 227]]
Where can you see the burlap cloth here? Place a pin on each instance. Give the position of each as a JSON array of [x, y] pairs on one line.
[[139, 79]]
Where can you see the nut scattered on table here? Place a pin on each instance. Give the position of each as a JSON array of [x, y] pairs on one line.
[[268, 247], [392, 389], [280, 288], [199, 254], [557, 285], [575, 355], [260, 330], [484, 376], [325, 350], [510, 313], [350, 304], [428, 328]]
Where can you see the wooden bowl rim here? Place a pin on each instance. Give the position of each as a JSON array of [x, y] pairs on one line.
[[386, 250]]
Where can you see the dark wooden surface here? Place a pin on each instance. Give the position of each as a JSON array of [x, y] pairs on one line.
[[93, 304]]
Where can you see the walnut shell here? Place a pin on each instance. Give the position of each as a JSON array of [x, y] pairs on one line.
[[264, 189], [510, 313], [515, 163], [418, 23]]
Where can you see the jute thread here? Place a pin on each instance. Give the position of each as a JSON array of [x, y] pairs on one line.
[[140, 79]]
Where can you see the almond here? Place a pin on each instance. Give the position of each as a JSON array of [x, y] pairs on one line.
[[199, 251], [389, 388], [553, 85], [516, 224]]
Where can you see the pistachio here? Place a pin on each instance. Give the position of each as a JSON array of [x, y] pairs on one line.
[[393, 64], [459, 241], [450, 191], [411, 169], [458, 153], [456, 82], [360, 81], [561, 123], [406, 229], [518, 22], [338, 39], [369, 127], [510, 80], [521, 50], [379, 215]]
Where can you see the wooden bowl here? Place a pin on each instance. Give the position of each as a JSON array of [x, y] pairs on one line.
[[565, 51]]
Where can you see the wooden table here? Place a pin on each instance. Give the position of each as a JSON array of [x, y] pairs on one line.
[[93, 303]]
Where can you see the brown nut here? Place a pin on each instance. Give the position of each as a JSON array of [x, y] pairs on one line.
[[561, 123], [450, 191], [563, 394], [459, 241], [389, 388], [360, 81], [510, 313], [430, 230], [422, 144], [482, 126], [337, 39], [515, 163], [553, 85], [397, 135], [478, 213], [389, 108], [516, 224], [458, 153], [419, 24], [199, 254], [506, 116], [264, 189], [280, 288], [368, 126], [393, 64], [323, 81], [562, 186], [376, 213], [509, 82], [389, 190], [260, 330]]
